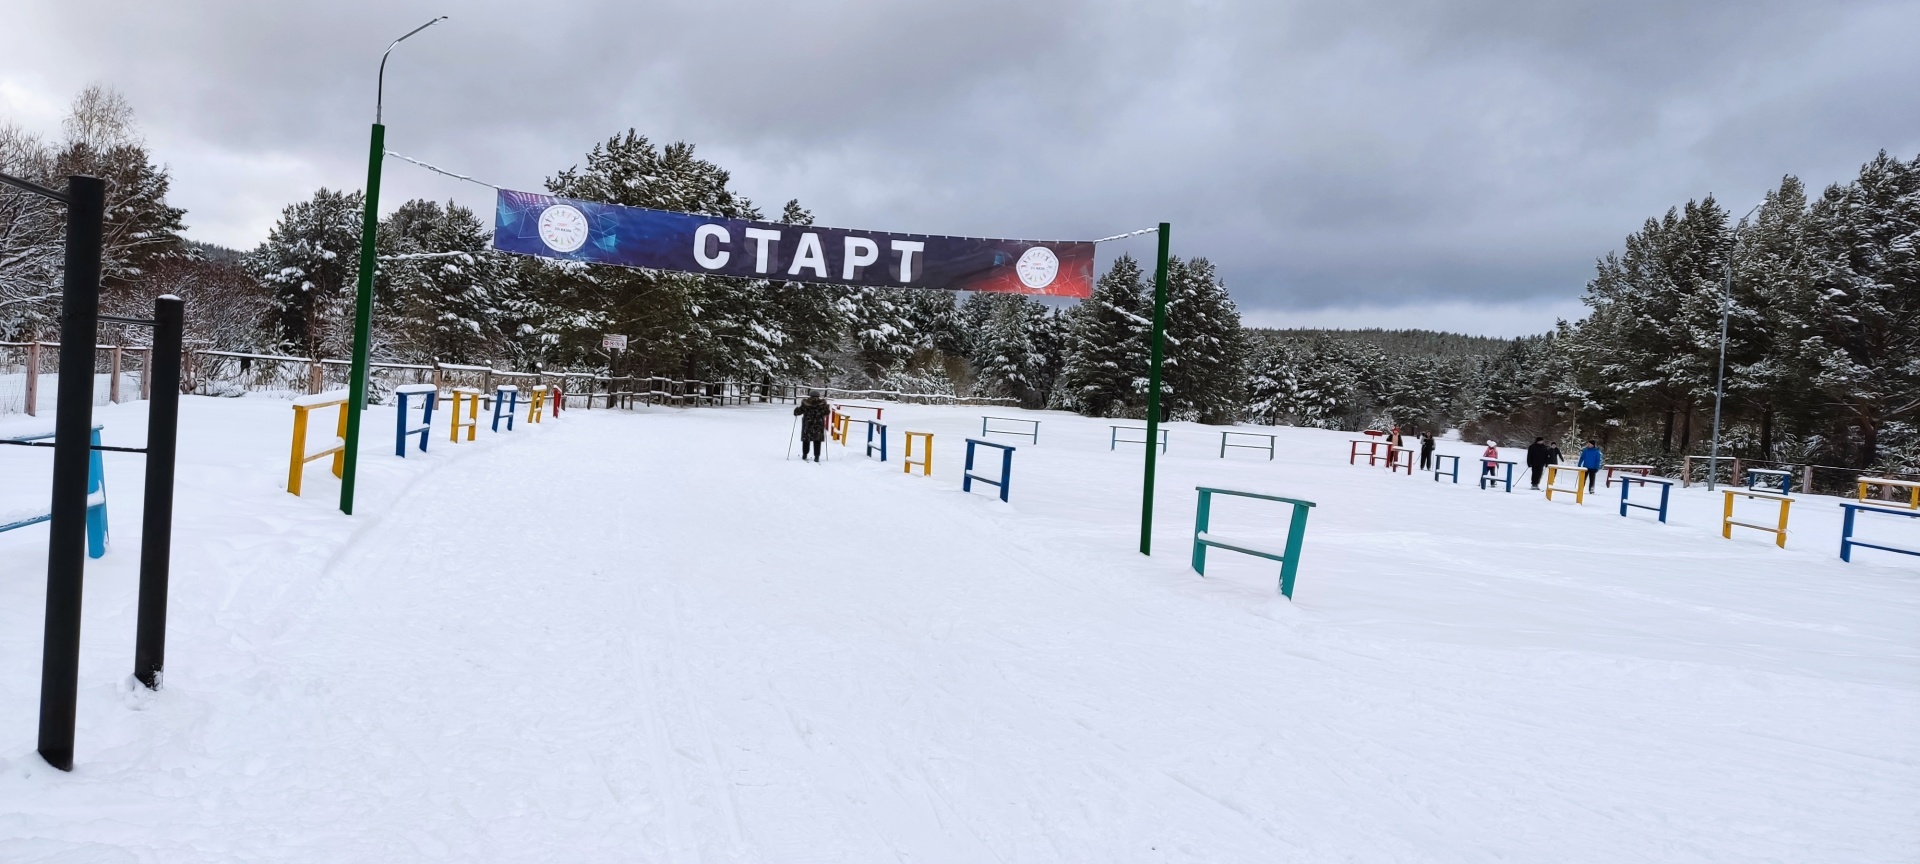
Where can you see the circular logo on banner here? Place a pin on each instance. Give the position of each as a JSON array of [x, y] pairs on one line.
[[1037, 267], [563, 227]]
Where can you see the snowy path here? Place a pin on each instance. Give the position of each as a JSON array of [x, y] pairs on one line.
[[646, 638]]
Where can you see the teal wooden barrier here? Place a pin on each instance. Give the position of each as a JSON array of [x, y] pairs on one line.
[[1289, 557]]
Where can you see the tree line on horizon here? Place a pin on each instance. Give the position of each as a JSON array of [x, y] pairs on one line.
[[1823, 362]]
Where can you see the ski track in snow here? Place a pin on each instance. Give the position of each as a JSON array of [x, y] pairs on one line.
[[644, 637]]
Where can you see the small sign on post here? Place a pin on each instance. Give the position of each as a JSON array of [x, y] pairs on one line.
[[612, 342]]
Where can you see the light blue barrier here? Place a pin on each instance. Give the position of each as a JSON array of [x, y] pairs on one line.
[[96, 497]]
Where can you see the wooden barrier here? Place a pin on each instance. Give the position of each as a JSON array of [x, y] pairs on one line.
[[96, 495], [1773, 476], [302, 406], [1006, 468], [1437, 471], [1373, 450], [1644, 470], [1114, 439], [1032, 432], [472, 421], [874, 426], [506, 400], [1579, 489], [536, 402], [1627, 482], [1267, 447], [1846, 529], [1489, 479], [1727, 521], [926, 459], [1913, 489], [1289, 557], [428, 396], [1398, 458]]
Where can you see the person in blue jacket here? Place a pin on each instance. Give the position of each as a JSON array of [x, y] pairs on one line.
[[1590, 460]]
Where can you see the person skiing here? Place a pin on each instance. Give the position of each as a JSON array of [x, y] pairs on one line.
[[812, 412], [1426, 451], [1488, 467], [1539, 456], [1590, 460]]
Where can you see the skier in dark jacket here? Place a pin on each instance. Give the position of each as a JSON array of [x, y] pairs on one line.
[[813, 413], [1539, 456], [1426, 451]]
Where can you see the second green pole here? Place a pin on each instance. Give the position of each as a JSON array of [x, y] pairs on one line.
[[1153, 390]]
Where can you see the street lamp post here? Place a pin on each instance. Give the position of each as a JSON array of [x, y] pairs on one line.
[[363, 303], [1720, 378]]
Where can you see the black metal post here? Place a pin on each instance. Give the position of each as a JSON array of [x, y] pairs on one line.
[[156, 518], [73, 427]]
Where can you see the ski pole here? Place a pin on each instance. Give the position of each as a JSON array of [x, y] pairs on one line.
[[790, 433]]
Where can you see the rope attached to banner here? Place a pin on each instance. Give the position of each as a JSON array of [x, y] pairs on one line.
[[439, 170], [1128, 234]]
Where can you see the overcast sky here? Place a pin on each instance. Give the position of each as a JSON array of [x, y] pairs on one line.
[[1456, 164]]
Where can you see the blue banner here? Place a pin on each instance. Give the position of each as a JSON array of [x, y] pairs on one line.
[[530, 224]]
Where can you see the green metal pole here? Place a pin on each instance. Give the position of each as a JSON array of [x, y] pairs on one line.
[[1153, 390], [362, 318]]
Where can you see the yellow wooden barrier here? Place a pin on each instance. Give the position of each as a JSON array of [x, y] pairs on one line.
[[472, 421], [926, 459], [536, 402], [1727, 521], [1913, 489], [301, 407], [838, 430], [1579, 489]]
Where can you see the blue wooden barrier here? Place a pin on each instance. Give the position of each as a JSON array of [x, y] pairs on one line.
[[506, 400], [1846, 529], [1032, 433], [1784, 479], [1627, 482], [882, 445], [1491, 480], [1289, 558], [1006, 468], [1455, 473], [1116, 440], [96, 497], [429, 396]]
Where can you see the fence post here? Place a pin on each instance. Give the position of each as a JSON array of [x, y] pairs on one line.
[[113, 382], [1806, 479], [146, 373], [315, 376], [33, 378], [1736, 472]]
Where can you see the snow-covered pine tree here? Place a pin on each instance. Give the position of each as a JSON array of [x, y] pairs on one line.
[[141, 230], [1104, 371], [1010, 347], [1204, 377], [435, 285], [1866, 272], [310, 260]]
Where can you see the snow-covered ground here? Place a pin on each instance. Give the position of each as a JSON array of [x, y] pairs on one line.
[[646, 637]]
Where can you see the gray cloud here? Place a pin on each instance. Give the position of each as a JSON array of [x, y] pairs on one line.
[[1368, 155]]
